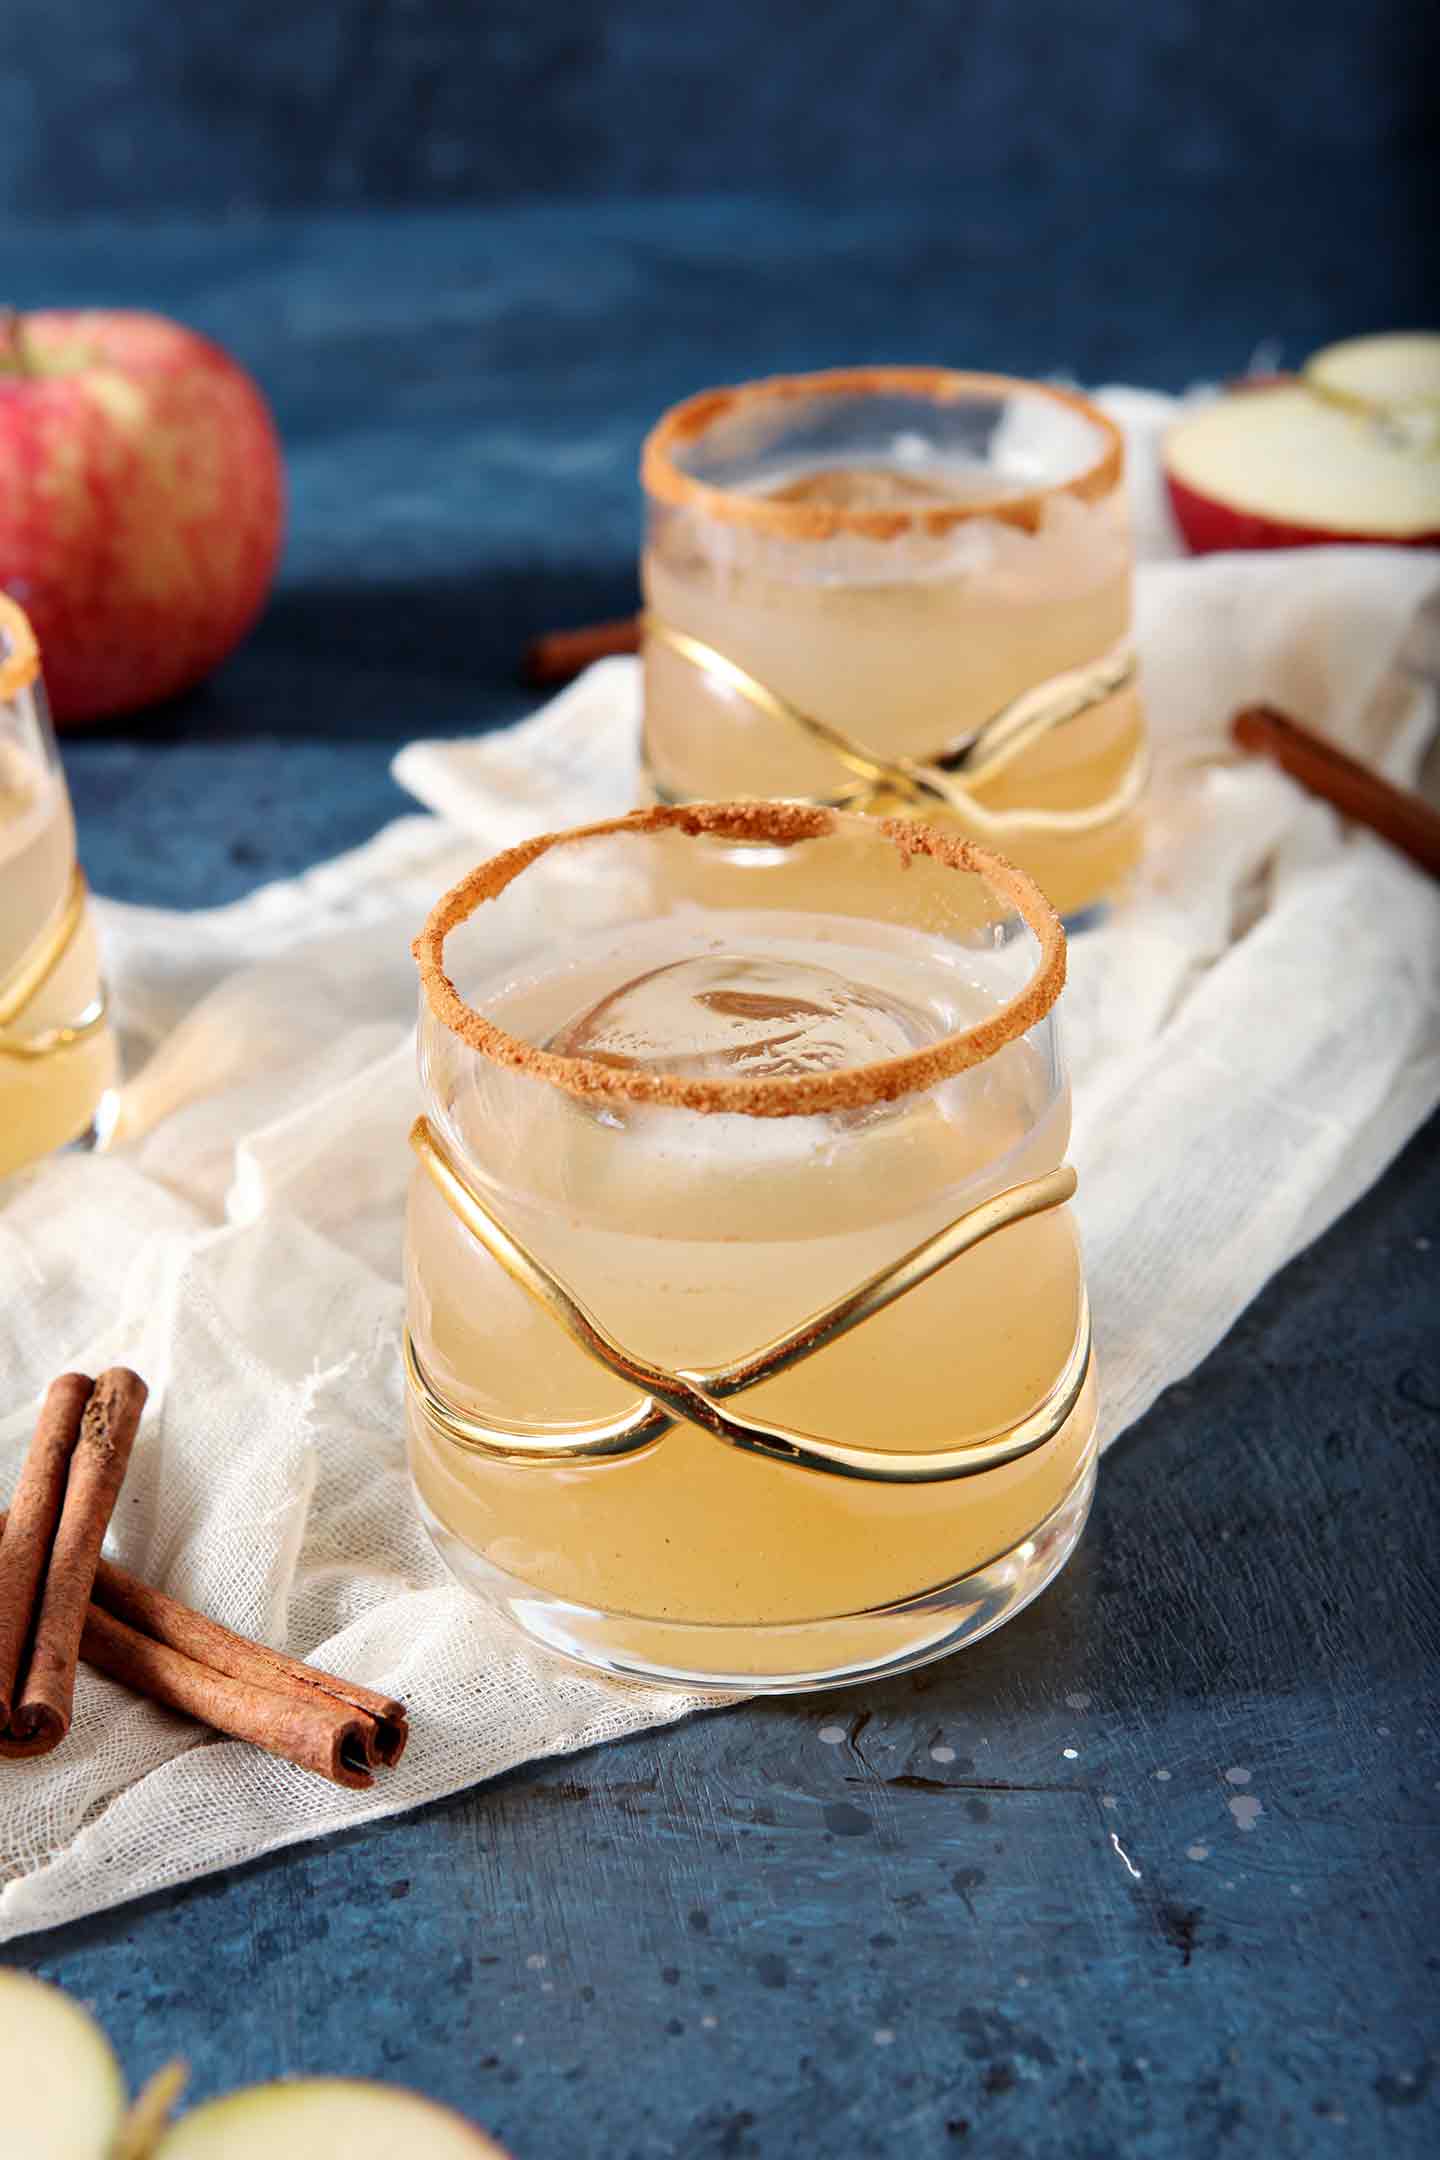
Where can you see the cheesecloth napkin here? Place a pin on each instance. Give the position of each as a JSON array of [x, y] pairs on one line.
[[1253, 1036]]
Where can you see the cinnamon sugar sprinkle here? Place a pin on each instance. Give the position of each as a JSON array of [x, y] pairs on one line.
[[667, 481], [780, 824]]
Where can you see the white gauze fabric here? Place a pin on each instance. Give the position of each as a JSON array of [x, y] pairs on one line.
[[1253, 1036]]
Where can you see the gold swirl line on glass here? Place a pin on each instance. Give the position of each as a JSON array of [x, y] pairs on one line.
[[54, 1040], [695, 1396], [44, 956], [630, 1434], [994, 745], [1011, 731]]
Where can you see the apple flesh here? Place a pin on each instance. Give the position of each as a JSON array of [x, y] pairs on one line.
[[62, 2085], [64, 2094], [316, 2118], [1333, 457], [141, 503], [1398, 371]]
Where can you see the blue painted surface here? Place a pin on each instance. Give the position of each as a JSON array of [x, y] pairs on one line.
[[807, 1928], [901, 1919]]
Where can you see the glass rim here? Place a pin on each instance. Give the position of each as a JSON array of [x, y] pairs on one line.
[[778, 824], [19, 653], [665, 479]]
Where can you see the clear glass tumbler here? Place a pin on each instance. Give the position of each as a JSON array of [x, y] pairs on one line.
[[747, 1343], [57, 1053], [900, 590]]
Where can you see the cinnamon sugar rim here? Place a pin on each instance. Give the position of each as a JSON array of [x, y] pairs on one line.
[[779, 824], [666, 480], [19, 654]]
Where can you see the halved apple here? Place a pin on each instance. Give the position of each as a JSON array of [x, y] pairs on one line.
[[1349, 452], [317, 2118], [65, 2095]]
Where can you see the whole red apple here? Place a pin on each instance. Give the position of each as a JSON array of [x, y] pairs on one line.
[[141, 503]]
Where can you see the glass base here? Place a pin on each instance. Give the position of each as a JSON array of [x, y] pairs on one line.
[[791, 1658]]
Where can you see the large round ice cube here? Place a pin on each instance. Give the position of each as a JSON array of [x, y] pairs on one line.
[[727, 1013]]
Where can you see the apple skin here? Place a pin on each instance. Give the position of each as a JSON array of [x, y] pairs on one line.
[[141, 503], [1211, 527]]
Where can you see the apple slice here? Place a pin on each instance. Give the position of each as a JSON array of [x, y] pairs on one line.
[[316, 2118], [64, 2094], [1397, 373], [1334, 457], [62, 2085]]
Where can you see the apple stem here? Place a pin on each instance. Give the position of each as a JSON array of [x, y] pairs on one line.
[[145, 2124], [14, 349]]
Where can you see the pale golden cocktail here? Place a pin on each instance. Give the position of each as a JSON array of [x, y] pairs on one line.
[[57, 1055], [900, 589], [748, 1341]]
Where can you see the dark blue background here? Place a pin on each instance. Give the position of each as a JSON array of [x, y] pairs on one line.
[[140, 105], [470, 254]]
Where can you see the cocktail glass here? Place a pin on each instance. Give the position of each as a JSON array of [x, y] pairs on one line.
[[747, 1339], [900, 590]]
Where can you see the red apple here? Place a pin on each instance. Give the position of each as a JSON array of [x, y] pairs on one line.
[[1348, 452], [141, 503]]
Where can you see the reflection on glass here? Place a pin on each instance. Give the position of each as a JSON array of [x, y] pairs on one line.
[[57, 1055]]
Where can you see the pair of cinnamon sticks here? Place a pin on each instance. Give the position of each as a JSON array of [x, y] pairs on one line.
[[60, 1602]]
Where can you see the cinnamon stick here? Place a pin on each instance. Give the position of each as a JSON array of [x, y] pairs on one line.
[[559, 655], [306, 1727], [50, 1555], [40, 1718], [186, 1662], [166, 1621], [30, 1528], [1405, 820]]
